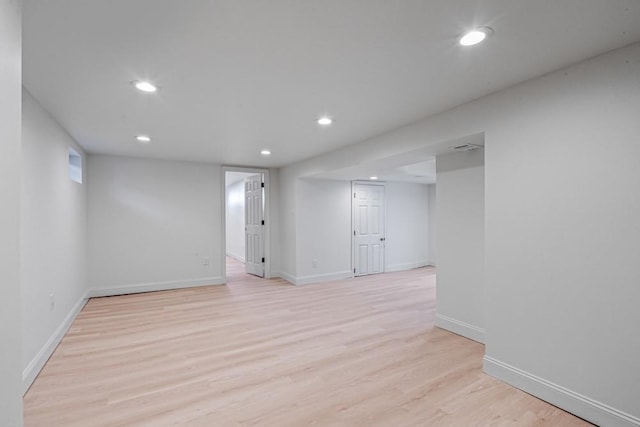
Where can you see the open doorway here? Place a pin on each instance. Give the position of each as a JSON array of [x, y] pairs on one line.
[[246, 230]]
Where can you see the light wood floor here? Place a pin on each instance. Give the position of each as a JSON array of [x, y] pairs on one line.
[[359, 352]]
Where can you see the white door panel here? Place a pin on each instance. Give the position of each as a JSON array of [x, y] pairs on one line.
[[254, 227], [368, 229]]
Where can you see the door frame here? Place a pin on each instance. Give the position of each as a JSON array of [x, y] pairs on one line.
[[267, 218], [353, 221]]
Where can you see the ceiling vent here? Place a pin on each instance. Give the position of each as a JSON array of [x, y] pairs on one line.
[[467, 147]]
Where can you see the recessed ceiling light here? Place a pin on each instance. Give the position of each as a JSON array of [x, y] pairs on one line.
[[373, 178], [144, 139], [475, 36], [325, 121], [265, 152], [145, 86]]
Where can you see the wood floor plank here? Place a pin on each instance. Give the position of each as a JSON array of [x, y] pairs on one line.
[[358, 352]]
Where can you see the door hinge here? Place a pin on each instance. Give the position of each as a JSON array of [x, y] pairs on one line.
[[354, 195], [262, 259], [354, 271], [354, 232], [262, 184], [263, 222]]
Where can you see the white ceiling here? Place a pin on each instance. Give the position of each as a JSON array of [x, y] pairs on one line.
[[416, 166], [240, 76], [388, 169]]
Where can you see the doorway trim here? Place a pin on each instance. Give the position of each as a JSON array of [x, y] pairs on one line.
[[267, 218], [353, 221]]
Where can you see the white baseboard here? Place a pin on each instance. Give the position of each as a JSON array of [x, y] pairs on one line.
[[35, 366], [155, 286], [236, 256], [582, 406], [273, 275], [405, 266], [37, 363], [461, 328], [288, 277], [327, 277]]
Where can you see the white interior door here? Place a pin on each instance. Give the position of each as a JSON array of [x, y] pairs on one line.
[[368, 228], [254, 226]]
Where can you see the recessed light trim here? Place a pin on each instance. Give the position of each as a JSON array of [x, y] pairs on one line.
[[475, 36], [265, 152], [325, 121], [143, 139], [145, 86], [373, 178]]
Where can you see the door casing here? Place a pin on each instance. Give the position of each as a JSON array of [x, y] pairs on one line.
[[267, 218], [353, 222]]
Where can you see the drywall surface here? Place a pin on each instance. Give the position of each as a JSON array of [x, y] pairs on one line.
[[461, 245], [407, 233], [432, 223], [10, 295], [288, 224], [561, 228], [153, 224], [275, 224], [53, 231], [324, 230]]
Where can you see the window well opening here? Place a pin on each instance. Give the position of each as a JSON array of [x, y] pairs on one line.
[[75, 166]]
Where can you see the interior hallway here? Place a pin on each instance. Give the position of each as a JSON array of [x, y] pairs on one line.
[[352, 352], [236, 272]]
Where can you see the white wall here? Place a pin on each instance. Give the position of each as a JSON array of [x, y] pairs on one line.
[[275, 224], [407, 234], [562, 209], [53, 236], [561, 235], [324, 230], [288, 219], [10, 305], [235, 236], [152, 224], [432, 223], [461, 244]]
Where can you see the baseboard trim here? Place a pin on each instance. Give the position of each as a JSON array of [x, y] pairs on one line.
[[236, 256], [406, 266], [30, 373], [288, 277], [155, 286], [582, 406], [459, 327], [274, 275], [327, 277], [317, 278]]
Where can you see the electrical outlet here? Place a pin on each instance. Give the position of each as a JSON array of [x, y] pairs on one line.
[[52, 302], [205, 261], [314, 263]]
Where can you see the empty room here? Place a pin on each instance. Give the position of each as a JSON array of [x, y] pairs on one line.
[[336, 213]]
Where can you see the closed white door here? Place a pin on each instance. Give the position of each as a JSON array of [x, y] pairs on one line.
[[368, 229], [254, 226]]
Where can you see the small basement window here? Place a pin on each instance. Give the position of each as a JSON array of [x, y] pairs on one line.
[[75, 166]]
